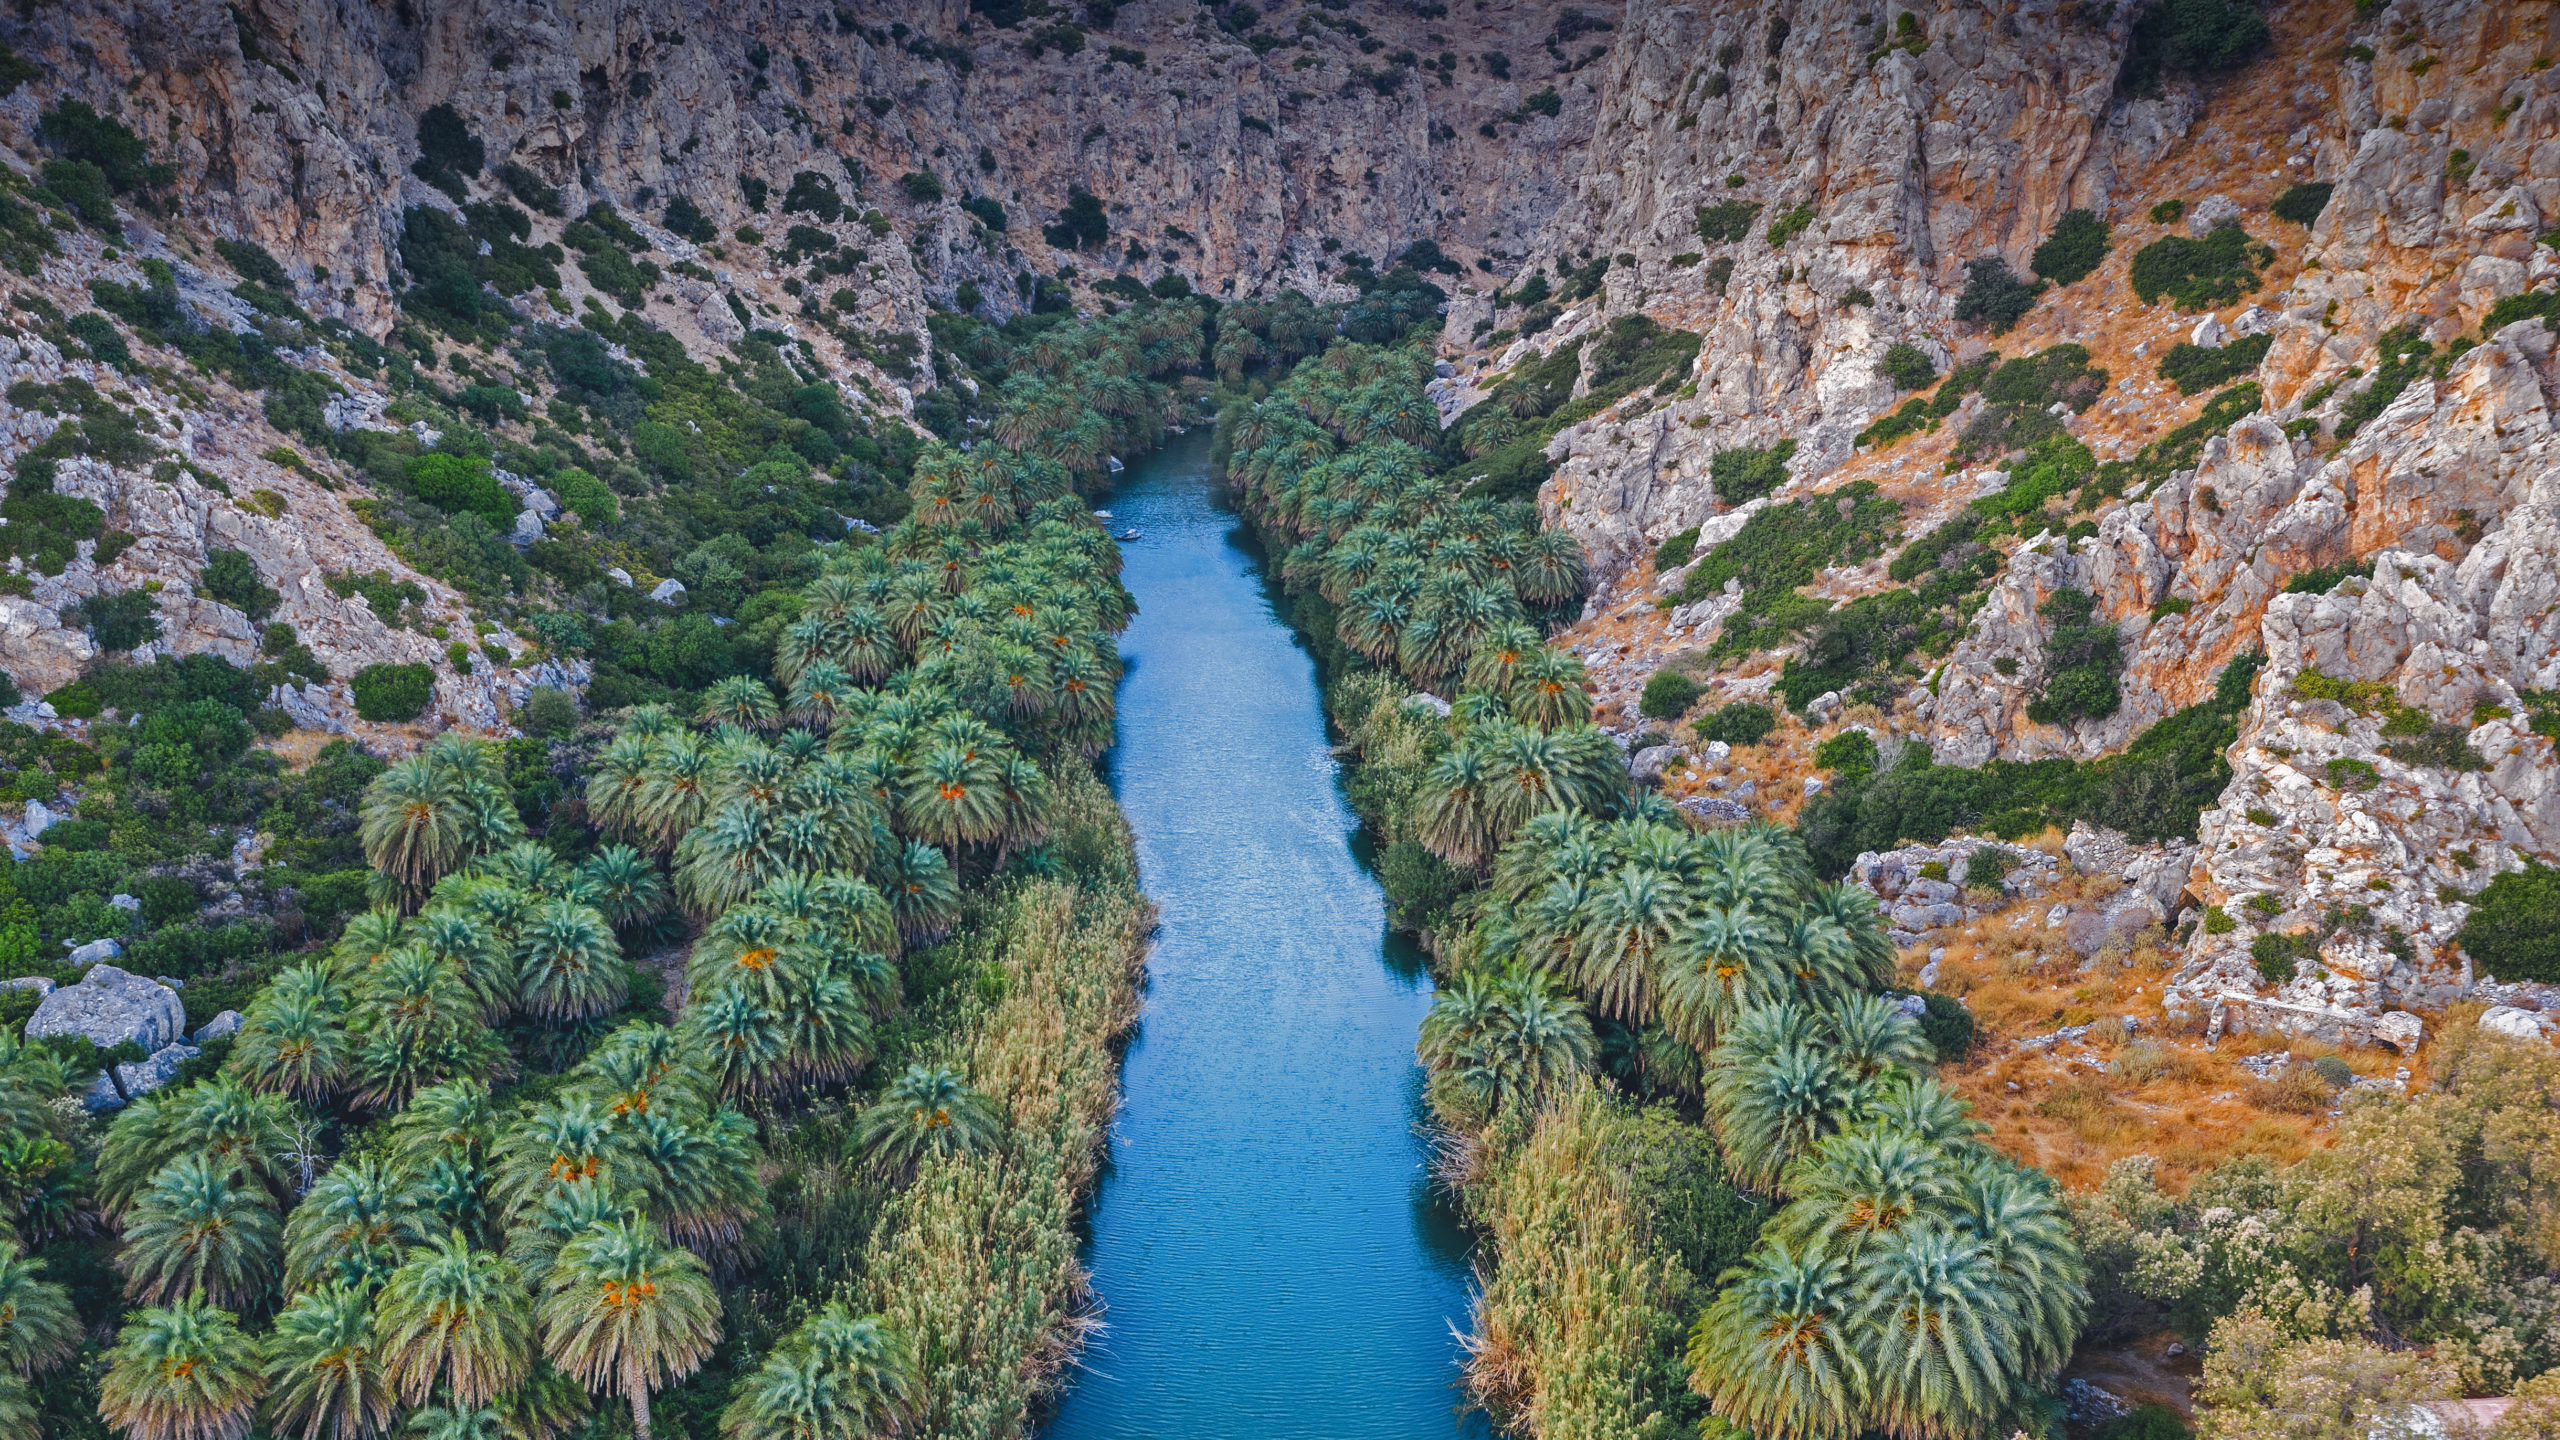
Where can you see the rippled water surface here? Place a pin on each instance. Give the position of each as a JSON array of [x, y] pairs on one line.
[[1265, 1242]]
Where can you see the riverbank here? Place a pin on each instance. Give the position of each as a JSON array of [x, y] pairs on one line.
[[1600, 1221]]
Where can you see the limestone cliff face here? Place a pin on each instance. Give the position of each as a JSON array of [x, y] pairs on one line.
[[1910, 163], [1243, 161]]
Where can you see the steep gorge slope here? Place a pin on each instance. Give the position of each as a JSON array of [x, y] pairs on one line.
[[1242, 151], [2395, 475]]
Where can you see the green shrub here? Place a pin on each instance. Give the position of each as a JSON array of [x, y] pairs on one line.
[[389, 694], [102, 339], [1994, 297], [1744, 722], [254, 263], [2327, 578], [1668, 695], [2076, 247], [1851, 756], [1783, 547], [1908, 366], [231, 577], [1420, 886], [587, 497], [2082, 659], [2195, 369], [548, 711], [118, 621], [2302, 204], [83, 190], [2275, 955], [2404, 358], [922, 186], [686, 219], [1947, 1026], [2199, 274], [2347, 773], [1674, 552], [2218, 921], [1743, 473], [460, 484], [989, 213], [2513, 931], [2191, 38], [1788, 226], [77, 130], [1726, 220]]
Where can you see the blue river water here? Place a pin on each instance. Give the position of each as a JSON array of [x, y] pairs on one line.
[[1272, 1259]]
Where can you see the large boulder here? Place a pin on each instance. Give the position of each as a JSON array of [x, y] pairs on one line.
[[110, 1007]]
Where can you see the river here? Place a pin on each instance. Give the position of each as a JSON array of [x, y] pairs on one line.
[[1271, 1257]]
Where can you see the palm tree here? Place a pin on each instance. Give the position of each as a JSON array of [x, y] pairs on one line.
[[1851, 1188], [1725, 963], [1870, 1034], [1774, 1354], [2026, 1234], [834, 1376], [625, 1313], [1941, 1335], [1772, 1107], [325, 1376], [1922, 1108], [1454, 822], [38, 1327], [353, 1225], [419, 1025], [182, 1373], [1626, 924], [1505, 1039], [620, 779], [572, 968], [198, 1228], [1547, 692], [292, 1045], [477, 954], [739, 700], [18, 1417], [922, 891], [675, 794], [927, 1110], [413, 823], [455, 1317], [567, 1140], [367, 938], [454, 1119], [743, 1042]]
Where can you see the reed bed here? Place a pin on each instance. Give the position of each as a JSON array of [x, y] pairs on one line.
[[977, 1259], [1574, 1318]]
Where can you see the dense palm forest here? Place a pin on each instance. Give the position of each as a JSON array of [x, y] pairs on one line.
[[1802, 1235], [497, 1163]]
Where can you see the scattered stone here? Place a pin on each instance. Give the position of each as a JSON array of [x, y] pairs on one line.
[[667, 592], [619, 576], [2211, 334], [2515, 1023], [93, 952], [226, 1023], [122, 901], [137, 1080], [37, 983], [110, 1007], [1647, 765], [2209, 212]]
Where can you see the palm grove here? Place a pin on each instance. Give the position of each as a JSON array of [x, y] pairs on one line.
[[1836, 1250], [458, 1174]]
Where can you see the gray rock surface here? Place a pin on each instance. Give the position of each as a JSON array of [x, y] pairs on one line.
[[110, 1007]]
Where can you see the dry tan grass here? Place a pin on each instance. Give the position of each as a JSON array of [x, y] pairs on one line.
[[2077, 1108]]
